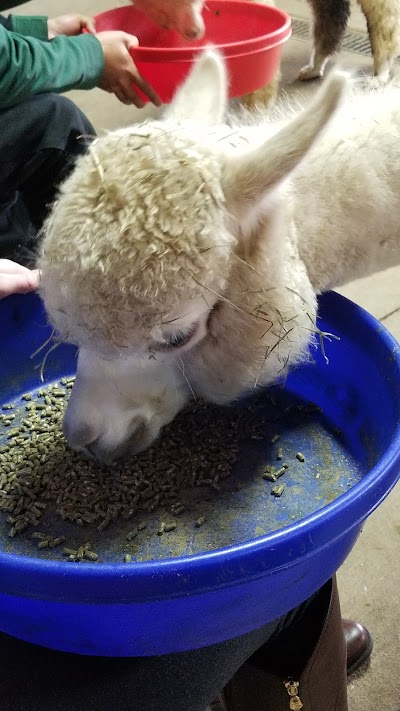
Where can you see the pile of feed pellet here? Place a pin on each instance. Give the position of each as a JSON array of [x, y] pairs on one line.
[[37, 466], [39, 473]]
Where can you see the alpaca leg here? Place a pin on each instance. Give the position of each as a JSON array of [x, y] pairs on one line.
[[267, 94], [262, 97], [383, 21], [329, 23]]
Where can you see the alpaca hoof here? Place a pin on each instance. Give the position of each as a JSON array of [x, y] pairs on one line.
[[378, 81], [309, 72], [381, 78]]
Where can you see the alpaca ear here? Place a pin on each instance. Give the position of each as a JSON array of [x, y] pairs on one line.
[[203, 96], [249, 177]]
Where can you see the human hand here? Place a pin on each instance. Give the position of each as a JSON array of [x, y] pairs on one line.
[[70, 25], [120, 71], [181, 15], [15, 279]]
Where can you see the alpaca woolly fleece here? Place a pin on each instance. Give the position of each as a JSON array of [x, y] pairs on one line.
[[191, 250], [133, 233]]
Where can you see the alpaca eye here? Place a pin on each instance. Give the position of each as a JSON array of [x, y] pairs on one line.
[[178, 339]]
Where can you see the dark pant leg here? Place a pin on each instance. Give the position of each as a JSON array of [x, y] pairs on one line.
[[37, 679], [291, 645], [40, 140]]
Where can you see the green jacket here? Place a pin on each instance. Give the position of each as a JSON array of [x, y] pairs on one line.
[[31, 64]]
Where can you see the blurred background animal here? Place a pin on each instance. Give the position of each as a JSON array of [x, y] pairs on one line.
[[330, 18]]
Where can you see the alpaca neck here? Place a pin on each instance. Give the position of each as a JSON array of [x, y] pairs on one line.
[[346, 208]]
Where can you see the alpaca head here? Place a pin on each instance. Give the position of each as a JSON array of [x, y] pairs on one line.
[[142, 247]]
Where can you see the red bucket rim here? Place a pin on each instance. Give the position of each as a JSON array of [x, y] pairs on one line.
[[229, 49]]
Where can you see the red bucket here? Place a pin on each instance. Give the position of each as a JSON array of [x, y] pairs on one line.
[[249, 35]]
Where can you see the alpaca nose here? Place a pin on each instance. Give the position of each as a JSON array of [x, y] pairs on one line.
[[80, 435], [193, 25], [101, 441], [192, 33]]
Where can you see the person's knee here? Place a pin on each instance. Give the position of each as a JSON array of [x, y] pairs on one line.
[[45, 122], [63, 113], [53, 122]]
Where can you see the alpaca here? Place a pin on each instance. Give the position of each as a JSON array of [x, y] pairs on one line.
[[184, 256], [330, 18], [266, 95]]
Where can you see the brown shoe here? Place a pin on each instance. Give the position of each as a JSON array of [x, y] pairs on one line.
[[359, 644]]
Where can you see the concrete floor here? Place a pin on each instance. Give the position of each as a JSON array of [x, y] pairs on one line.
[[369, 580]]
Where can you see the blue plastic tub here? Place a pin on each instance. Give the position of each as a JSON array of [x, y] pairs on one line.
[[173, 605]]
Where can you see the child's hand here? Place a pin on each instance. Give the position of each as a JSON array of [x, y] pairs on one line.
[[70, 25], [120, 74], [15, 279]]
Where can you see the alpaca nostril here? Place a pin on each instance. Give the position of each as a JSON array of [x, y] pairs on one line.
[[192, 34], [105, 448], [194, 27], [90, 449], [78, 435]]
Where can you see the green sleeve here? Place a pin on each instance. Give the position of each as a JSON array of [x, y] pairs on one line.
[[29, 66], [35, 26]]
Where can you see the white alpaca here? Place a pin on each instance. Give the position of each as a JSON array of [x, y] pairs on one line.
[[185, 255]]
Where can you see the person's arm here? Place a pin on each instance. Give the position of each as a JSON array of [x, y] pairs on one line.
[[31, 26], [29, 66], [44, 28], [71, 60], [6, 22]]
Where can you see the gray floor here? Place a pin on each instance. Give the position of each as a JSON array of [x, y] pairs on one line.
[[370, 579]]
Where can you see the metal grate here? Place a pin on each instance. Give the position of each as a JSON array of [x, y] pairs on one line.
[[301, 29], [352, 41]]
